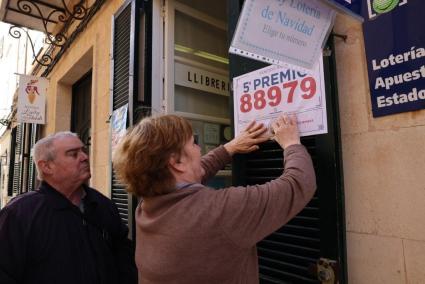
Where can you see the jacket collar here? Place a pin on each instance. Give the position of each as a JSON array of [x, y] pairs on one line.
[[58, 201]]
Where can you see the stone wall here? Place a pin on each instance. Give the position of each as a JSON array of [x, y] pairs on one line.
[[384, 175]]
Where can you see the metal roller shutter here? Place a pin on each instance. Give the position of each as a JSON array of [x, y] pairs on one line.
[[286, 255]]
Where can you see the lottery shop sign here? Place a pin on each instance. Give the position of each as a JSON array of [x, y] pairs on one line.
[[267, 93], [395, 52]]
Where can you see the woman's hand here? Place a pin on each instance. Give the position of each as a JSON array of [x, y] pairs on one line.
[[286, 131], [248, 140]]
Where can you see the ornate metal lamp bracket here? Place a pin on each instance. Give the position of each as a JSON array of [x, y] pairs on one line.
[[16, 32], [50, 14]]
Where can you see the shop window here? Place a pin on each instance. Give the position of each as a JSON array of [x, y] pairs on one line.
[[201, 76]]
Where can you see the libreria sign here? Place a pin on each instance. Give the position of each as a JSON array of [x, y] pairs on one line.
[[395, 55]]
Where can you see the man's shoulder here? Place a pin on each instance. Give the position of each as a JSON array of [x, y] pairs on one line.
[[25, 202], [27, 197]]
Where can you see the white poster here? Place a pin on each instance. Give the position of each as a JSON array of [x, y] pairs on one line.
[[267, 93], [283, 31], [32, 99], [119, 125]]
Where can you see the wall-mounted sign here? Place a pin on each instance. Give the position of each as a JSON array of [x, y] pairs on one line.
[[395, 51], [199, 79], [118, 125], [32, 99], [283, 31], [266, 93], [378, 7]]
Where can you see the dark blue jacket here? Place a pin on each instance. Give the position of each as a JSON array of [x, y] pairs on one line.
[[46, 239]]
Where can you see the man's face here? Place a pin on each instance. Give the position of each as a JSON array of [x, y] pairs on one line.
[[71, 163], [191, 157]]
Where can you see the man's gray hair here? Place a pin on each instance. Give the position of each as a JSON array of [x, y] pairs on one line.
[[44, 150]]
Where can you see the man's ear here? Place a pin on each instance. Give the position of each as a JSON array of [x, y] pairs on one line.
[[45, 167], [175, 163]]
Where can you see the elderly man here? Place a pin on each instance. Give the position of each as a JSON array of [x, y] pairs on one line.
[[189, 233], [64, 232]]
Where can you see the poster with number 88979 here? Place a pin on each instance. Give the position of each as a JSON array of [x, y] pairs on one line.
[[265, 94]]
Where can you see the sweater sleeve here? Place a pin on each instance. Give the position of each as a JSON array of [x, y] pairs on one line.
[[214, 161], [248, 214]]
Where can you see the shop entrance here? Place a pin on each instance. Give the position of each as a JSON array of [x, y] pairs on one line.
[[312, 245], [190, 75]]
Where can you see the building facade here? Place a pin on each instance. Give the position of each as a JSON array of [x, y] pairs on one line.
[[16, 57]]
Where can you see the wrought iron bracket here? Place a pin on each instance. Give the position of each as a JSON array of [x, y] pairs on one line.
[[44, 59], [51, 16]]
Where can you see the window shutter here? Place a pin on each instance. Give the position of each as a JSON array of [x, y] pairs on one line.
[[11, 162], [124, 91], [16, 174], [31, 166]]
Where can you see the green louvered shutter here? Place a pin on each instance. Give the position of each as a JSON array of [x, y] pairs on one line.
[[31, 166], [17, 167], [122, 88], [129, 74]]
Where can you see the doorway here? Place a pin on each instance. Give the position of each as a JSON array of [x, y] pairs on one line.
[[81, 109], [316, 235]]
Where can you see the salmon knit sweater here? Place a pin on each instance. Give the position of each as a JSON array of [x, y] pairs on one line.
[[199, 235]]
